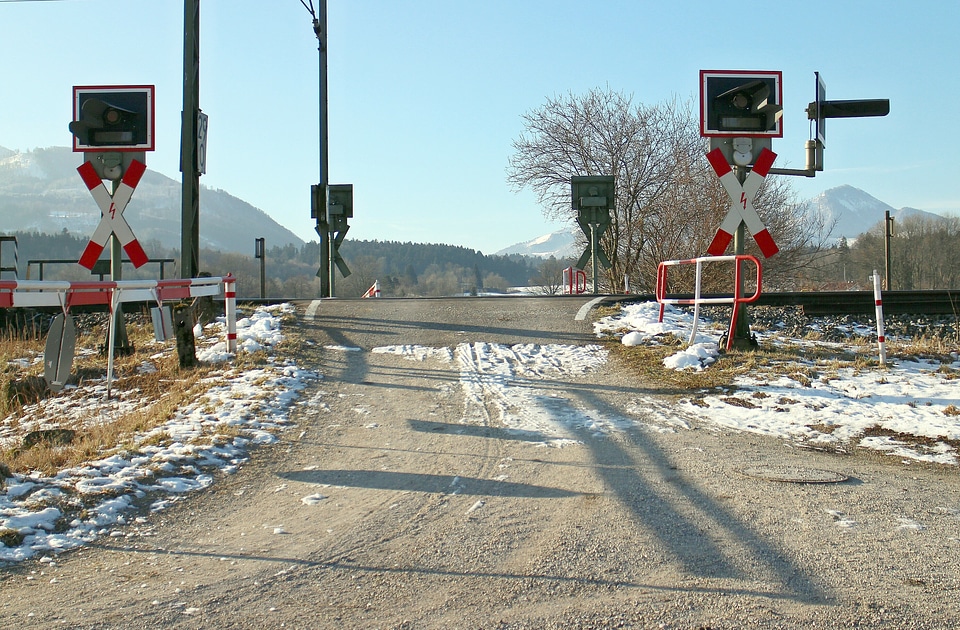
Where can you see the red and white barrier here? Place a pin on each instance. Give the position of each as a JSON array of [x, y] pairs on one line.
[[34, 293], [736, 299], [574, 281], [373, 291]]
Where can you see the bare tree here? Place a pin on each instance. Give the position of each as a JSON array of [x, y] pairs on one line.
[[549, 277], [365, 270], [669, 202]]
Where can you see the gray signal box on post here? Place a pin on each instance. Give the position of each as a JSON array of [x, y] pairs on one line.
[[593, 197]]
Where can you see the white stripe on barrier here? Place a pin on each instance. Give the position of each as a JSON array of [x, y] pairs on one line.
[[35, 293]]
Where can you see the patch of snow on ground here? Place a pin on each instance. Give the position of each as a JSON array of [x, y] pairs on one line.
[[837, 406], [214, 433], [518, 383]]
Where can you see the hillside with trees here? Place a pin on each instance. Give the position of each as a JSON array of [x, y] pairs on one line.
[[403, 269]]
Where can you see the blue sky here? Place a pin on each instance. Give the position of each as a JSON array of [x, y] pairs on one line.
[[426, 96]]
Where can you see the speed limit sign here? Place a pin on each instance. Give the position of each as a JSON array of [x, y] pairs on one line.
[[202, 143]]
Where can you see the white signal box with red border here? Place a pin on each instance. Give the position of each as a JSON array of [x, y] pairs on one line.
[[113, 118], [741, 104]]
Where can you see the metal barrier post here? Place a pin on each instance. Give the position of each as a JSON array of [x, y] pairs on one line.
[[230, 308], [736, 300], [881, 339]]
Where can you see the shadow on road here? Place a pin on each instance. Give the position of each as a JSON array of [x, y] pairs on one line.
[[422, 482], [350, 567], [474, 430], [686, 520]]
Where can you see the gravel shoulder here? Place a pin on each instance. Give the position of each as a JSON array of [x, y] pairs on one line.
[[381, 509]]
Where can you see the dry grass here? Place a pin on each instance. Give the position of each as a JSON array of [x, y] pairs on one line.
[[162, 393], [806, 364], [646, 362], [909, 438]]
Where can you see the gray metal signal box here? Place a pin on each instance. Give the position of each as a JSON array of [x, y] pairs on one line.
[[593, 197]]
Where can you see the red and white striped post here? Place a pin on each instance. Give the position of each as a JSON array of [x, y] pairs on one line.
[[881, 340], [230, 310]]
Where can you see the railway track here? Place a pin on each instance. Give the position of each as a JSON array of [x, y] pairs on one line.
[[818, 303], [862, 302]]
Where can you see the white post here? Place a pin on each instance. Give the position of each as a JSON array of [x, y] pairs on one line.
[[230, 308], [112, 335], [696, 303], [881, 340]]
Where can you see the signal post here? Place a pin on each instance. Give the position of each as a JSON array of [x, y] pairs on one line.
[[741, 112], [114, 128]]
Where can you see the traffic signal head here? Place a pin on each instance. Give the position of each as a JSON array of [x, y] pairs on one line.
[[104, 124], [113, 119], [745, 104]]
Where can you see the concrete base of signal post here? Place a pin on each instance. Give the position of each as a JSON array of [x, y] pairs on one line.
[[743, 339]]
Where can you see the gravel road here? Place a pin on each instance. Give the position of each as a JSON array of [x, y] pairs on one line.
[[382, 509]]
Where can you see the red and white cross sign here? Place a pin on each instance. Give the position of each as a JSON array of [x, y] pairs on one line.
[[111, 211], [741, 208]]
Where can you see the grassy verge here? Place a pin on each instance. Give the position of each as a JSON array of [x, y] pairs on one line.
[[806, 362], [150, 375]]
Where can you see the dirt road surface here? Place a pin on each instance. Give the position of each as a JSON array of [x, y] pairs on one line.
[[387, 507]]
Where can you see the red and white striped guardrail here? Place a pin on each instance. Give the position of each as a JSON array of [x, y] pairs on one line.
[[34, 293], [736, 299]]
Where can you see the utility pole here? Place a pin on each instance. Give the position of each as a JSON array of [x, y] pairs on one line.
[[887, 234], [190, 192], [319, 195]]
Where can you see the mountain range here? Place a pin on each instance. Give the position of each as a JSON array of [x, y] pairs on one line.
[[854, 212], [41, 191], [559, 244], [850, 210]]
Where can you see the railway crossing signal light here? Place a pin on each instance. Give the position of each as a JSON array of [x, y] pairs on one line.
[[331, 206], [104, 124], [340, 200], [113, 118], [318, 205], [113, 126], [593, 196], [745, 103]]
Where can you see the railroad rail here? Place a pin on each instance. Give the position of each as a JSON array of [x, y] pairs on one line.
[[816, 303]]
